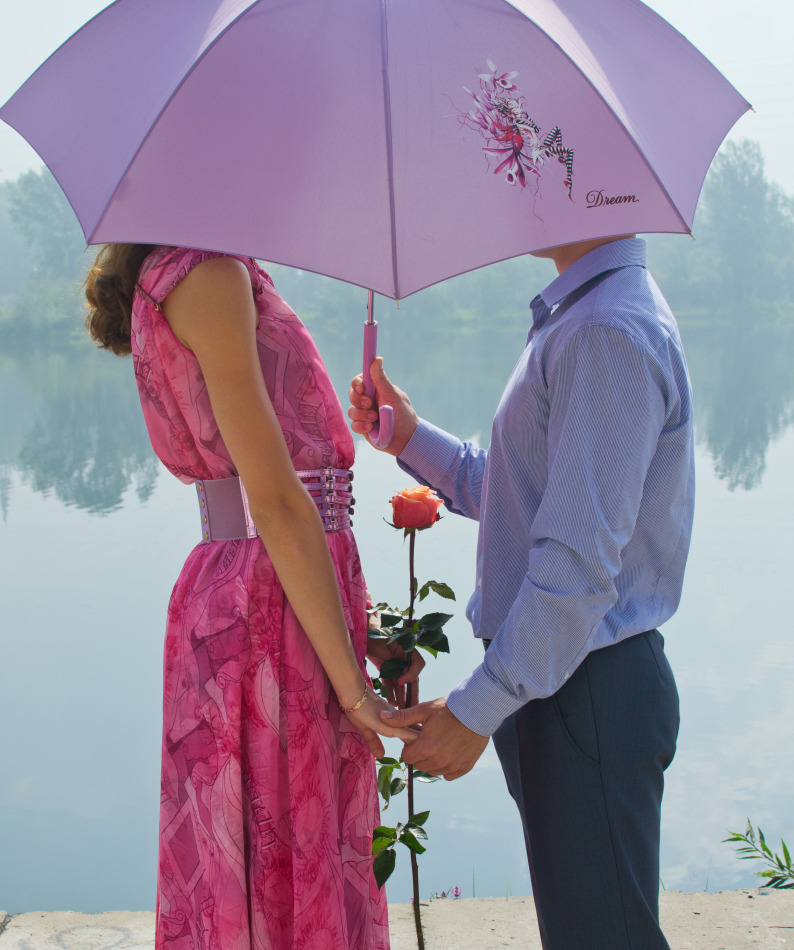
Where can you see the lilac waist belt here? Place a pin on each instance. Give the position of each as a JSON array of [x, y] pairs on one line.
[[225, 516]]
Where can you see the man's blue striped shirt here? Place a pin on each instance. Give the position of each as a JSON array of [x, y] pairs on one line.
[[585, 495]]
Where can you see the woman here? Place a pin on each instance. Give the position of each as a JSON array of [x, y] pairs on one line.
[[268, 789]]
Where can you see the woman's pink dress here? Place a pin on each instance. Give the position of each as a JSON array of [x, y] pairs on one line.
[[268, 794]]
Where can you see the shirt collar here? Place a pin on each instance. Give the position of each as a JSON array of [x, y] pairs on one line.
[[595, 262]]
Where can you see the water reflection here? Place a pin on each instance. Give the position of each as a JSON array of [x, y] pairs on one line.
[[73, 425], [744, 394]]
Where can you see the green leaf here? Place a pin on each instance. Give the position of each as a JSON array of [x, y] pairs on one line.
[[416, 830], [434, 621], [382, 831], [390, 618], [419, 819], [383, 866], [387, 760], [397, 632], [408, 839], [786, 855], [394, 633], [438, 587], [421, 776], [379, 844], [407, 641], [397, 785], [430, 650], [734, 835], [384, 781], [392, 668], [764, 845], [434, 640], [376, 633]]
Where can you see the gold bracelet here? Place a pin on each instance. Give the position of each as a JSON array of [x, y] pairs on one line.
[[358, 705]]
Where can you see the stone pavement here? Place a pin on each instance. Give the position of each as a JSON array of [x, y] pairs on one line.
[[728, 920]]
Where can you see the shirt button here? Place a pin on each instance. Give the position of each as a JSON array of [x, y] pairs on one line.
[[567, 676]]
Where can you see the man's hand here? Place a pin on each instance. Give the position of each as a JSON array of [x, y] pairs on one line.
[[445, 747], [363, 413]]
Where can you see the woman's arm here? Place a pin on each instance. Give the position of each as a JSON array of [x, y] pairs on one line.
[[212, 312]]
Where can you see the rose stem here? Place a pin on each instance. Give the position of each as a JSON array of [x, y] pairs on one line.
[[408, 702]]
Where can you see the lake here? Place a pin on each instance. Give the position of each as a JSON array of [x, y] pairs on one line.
[[94, 535]]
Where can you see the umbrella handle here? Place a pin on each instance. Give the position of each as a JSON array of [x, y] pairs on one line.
[[381, 434]]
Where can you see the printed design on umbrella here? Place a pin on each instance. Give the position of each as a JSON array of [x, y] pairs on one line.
[[500, 117]]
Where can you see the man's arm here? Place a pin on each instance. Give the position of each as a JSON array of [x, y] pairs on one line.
[[608, 400], [453, 468]]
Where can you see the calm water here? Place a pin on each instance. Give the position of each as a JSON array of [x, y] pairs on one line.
[[94, 537]]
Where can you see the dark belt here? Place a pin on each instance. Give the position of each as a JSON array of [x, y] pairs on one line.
[[225, 515]]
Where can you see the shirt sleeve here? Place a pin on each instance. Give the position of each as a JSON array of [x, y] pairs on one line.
[[452, 468], [607, 406]]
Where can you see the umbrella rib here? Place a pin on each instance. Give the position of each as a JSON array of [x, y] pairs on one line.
[[165, 105], [389, 155], [617, 118]]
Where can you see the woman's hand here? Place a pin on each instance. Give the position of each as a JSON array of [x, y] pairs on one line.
[[378, 651], [368, 722]]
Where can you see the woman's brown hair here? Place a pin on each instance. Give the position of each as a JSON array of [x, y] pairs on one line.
[[108, 290]]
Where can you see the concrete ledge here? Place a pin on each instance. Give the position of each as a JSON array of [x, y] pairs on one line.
[[728, 920]]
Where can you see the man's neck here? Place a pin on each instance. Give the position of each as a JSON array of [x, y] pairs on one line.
[[567, 254]]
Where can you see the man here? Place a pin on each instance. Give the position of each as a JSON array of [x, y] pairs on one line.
[[585, 501]]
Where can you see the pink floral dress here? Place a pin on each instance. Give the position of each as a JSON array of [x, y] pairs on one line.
[[268, 794]]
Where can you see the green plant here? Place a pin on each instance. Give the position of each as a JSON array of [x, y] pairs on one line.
[[780, 873], [402, 628]]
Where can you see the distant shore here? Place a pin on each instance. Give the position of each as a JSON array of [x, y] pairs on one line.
[[727, 920]]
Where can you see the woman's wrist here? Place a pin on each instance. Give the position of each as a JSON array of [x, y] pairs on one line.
[[353, 694], [357, 705]]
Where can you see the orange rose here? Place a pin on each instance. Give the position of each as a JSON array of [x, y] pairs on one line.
[[415, 507]]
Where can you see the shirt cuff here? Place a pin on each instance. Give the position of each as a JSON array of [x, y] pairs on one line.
[[431, 451], [481, 703]]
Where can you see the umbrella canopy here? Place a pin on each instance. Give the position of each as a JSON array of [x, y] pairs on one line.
[[389, 143]]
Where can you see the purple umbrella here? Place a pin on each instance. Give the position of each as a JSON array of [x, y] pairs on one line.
[[388, 143]]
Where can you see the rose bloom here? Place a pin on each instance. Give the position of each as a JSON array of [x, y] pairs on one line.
[[415, 507]]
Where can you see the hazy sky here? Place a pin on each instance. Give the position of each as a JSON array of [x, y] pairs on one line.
[[749, 42]]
